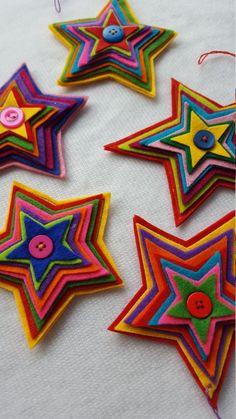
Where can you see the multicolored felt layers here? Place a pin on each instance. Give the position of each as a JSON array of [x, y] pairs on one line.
[[114, 45], [31, 124], [51, 252], [196, 146], [187, 298]]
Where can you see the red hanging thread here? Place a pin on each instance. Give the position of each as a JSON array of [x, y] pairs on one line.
[[205, 55], [57, 6]]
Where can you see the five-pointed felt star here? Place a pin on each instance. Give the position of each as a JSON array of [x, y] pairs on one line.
[[197, 154], [187, 298], [60, 254], [114, 45], [31, 124], [201, 325], [28, 111], [52, 251], [110, 21], [196, 146]]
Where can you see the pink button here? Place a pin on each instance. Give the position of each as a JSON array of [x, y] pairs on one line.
[[41, 246], [12, 117]]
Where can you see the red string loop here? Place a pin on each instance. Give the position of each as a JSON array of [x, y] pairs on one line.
[[205, 55]]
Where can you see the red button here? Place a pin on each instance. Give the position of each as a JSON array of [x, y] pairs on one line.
[[199, 305], [12, 117], [41, 246]]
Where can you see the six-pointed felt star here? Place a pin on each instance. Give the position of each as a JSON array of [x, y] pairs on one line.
[[196, 146], [31, 124], [187, 298], [114, 45], [52, 251]]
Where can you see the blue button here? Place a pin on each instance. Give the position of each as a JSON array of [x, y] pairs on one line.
[[113, 33], [204, 140]]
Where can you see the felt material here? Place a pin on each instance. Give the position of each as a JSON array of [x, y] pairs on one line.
[[36, 144], [130, 60], [80, 369], [172, 270], [193, 173], [79, 262]]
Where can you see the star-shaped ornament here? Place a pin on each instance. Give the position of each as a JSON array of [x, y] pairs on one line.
[[31, 124], [187, 298], [114, 45], [52, 251], [196, 146]]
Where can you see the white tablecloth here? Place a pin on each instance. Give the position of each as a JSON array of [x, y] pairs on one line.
[[81, 370]]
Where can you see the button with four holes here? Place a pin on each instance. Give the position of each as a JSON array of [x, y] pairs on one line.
[[113, 33], [12, 117], [204, 140], [199, 305], [41, 246]]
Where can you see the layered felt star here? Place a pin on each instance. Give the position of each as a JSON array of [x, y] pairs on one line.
[[196, 146], [114, 45], [187, 298], [31, 124], [51, 252]]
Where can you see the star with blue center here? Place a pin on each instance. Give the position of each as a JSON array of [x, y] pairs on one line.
[[52, 251]]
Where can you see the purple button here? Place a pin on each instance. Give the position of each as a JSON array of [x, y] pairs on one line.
[[41, 246], [12, 117]]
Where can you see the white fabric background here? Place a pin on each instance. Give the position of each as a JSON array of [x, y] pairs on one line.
[[81, 370]]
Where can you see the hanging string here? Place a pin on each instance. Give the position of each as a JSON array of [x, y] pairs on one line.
[[207, 395], [205, 55], [57, 6]]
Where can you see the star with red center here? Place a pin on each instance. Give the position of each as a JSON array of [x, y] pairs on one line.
[[119, 35], [114, 45]]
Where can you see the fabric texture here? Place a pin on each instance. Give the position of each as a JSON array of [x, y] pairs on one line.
[[81, 370]]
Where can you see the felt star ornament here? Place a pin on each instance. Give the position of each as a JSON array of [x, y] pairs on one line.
[[52, 251], [196, 146], [31, 124], [187, 298], [113, 45]]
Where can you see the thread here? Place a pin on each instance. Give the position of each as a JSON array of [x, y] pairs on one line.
[[206, 54], [57, 6]]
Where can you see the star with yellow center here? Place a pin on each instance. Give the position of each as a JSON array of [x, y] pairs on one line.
[[198, 125], [28, 111]]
